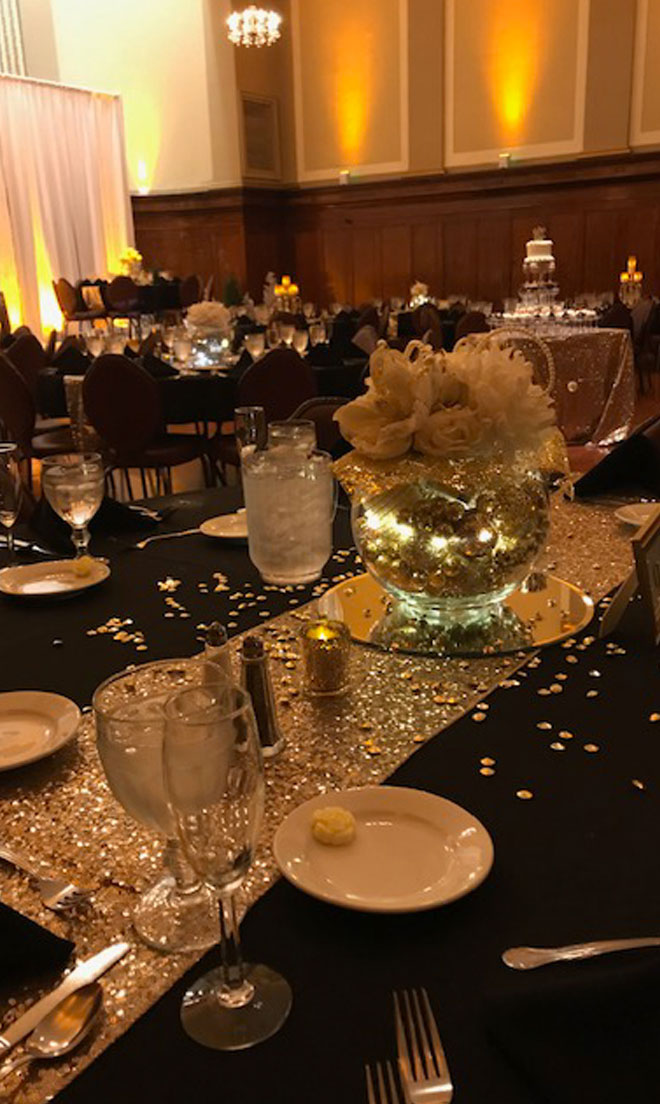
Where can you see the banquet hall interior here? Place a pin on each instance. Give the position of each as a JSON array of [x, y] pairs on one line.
[[299, 789]]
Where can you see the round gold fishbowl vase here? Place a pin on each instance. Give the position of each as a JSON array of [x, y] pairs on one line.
[[447, 539]]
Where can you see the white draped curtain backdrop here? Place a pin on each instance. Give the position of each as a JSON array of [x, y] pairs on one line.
[[65, 207]]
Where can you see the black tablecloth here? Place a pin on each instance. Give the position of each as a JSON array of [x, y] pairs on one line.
[[209, 398], [579, 860]]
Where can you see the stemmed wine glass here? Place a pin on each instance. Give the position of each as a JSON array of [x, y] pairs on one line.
[[73, 483], [215, 783], [301, 341], [255, 343], [11, 492], [287, 330], [177, 913]]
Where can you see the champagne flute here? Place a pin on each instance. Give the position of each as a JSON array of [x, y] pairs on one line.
[[317, 334], [11, 492], [176, 913], [73, 484], [215, 783]]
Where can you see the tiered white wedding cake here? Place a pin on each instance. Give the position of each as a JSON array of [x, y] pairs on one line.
[[539, 287]]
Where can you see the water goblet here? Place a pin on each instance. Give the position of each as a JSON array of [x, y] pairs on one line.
[[255, 343], [301, 341], [317, 334], [215, 784], [273, 335], [287, 331], [176, 913], [73, 484], [11, 491], [95, 342], [309, 310], [183, 347]]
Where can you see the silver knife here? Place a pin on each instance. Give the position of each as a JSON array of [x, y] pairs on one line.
[[82, 974]]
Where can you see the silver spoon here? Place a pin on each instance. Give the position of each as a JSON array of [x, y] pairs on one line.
[[61, 1030], [528, 958]]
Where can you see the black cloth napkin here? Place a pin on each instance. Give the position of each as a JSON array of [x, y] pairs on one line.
[[69, 361], [26, 949], [158, 368], [633, 466], [113, 517], [584, 1033]]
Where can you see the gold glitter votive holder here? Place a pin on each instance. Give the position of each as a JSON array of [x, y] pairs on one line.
[[326, 649]]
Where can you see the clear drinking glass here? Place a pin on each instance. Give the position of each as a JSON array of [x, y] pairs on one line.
[[301, 341], [289, 498], [287, 330], [215, 784], [317, 334], [177, 913], [299, 433], [183, 347], [273, 334], [73, 484], [167, 337], [11, 491], [95, 342], [255, 343], [250, 427], [309, 310]]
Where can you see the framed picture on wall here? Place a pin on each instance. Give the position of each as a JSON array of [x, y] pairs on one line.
[[260, 137]]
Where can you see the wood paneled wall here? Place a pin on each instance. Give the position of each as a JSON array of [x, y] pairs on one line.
[[459, 232]]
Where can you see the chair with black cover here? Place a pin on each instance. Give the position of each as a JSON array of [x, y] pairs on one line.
[[29, 357], [471, 322], [190, 291], [427, 322], [320, 410], [5, 324], [123, 403], [18, 417], [122, 299], [616, 317], [279, 381], [69, 304]]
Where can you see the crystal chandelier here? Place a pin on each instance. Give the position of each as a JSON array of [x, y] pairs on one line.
[[254, 26]]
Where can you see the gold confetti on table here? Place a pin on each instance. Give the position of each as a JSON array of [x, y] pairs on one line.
[[524, 795], [591, 748]]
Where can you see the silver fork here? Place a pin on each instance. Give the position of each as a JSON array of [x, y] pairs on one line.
[[422, 1063], [381, 1096], [56, 893]]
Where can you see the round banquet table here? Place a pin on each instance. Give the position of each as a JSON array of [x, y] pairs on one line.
[[579, 859], [203, 396]]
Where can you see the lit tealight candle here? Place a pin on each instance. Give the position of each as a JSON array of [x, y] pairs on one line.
[[326, 648]]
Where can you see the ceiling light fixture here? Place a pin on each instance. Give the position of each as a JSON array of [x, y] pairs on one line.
[[254, 26]]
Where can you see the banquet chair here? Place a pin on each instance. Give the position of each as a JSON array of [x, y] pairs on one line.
[[67, 298], [320, 410], [5, 324], [616, 317], [427, 320], [471, 322], [279, 382], [29, 358], [190, 291], [122, 299], [366, 339], [123, 404], [18, 416]]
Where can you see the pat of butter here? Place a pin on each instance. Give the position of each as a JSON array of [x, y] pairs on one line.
[[333, 825], [83, 565]]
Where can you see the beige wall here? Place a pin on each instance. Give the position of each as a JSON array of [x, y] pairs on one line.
[[179, 97], [645, 127], [351, 86], [377, 86], [269, 73]]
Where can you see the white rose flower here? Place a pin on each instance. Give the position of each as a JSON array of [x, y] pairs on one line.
[[452, 431], [209, 315]]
